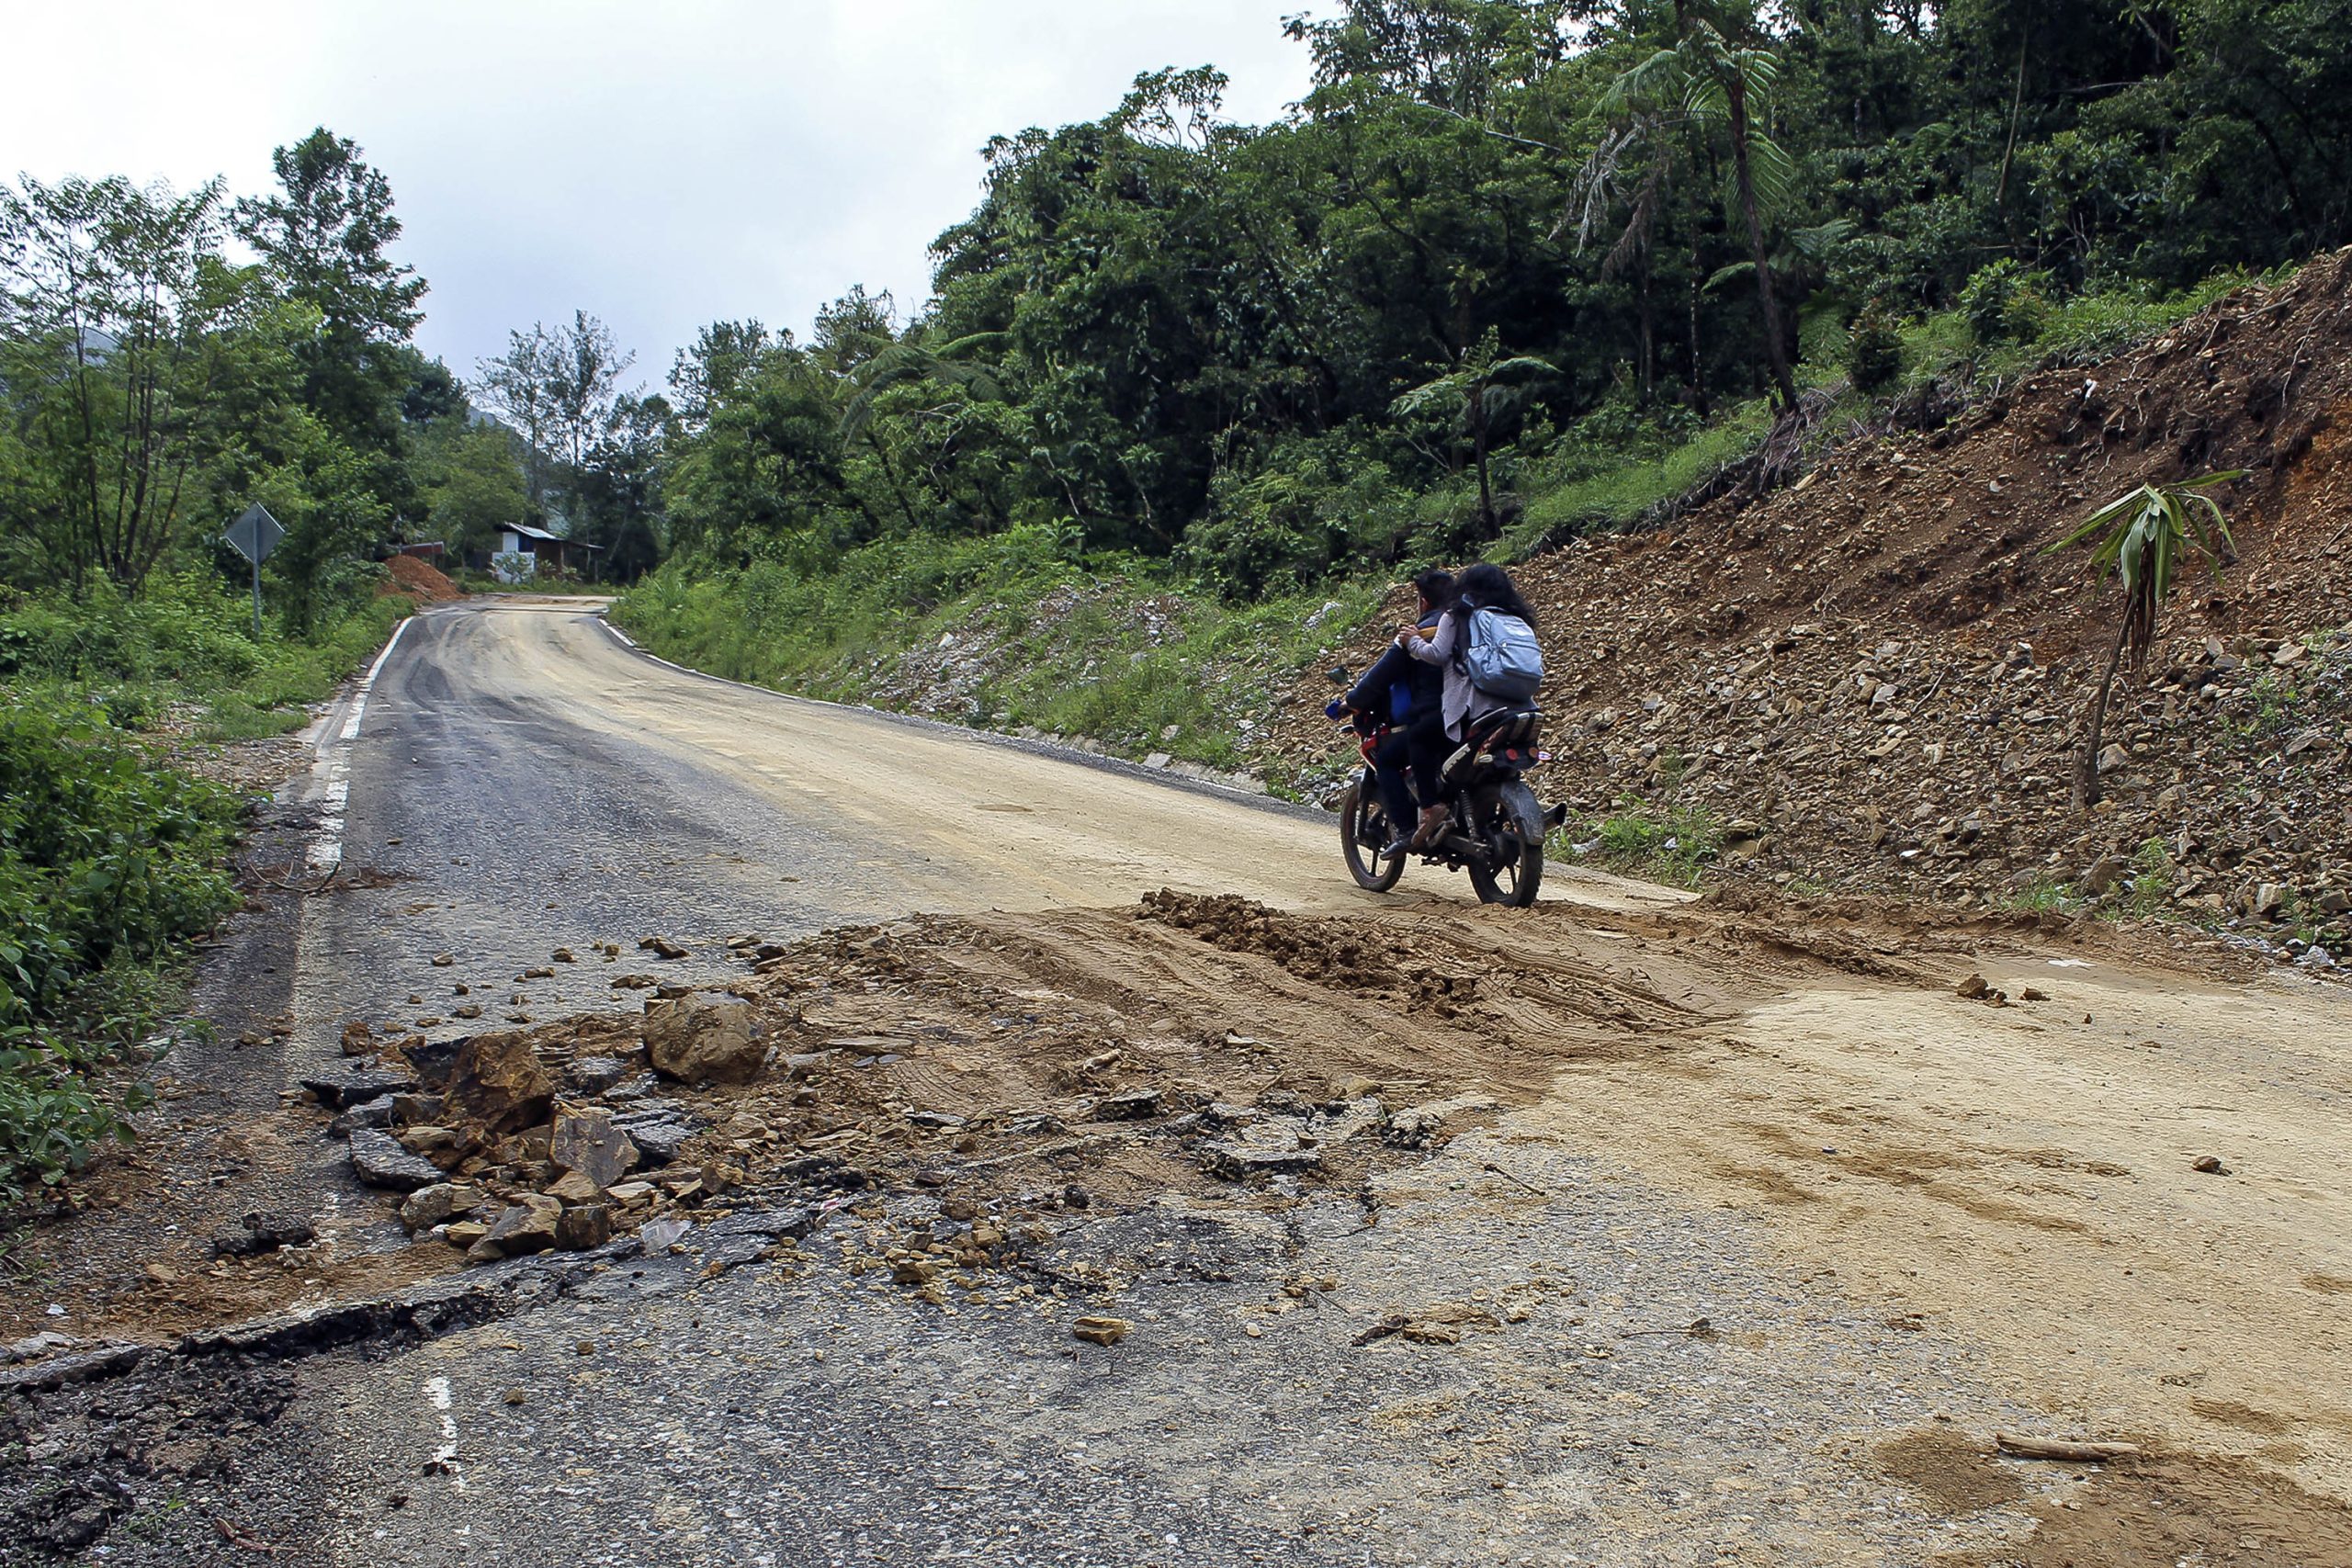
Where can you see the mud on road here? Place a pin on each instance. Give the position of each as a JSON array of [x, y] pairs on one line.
[[1729, 1232]]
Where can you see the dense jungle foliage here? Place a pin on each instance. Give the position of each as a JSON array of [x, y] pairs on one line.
[[1501, 250]]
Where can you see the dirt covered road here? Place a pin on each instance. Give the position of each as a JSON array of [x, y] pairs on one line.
[[1108, 1181]]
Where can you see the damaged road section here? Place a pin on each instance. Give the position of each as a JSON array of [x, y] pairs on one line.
[[1198, 1230]]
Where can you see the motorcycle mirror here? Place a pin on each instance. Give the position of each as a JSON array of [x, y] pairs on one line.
[[1337, 675]]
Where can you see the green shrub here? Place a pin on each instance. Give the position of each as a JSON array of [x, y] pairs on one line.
[[1317, 507], [2003, 303], [1873, 352], [107, 862]]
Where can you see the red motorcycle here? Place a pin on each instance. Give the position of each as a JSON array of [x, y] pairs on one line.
[[1496, 827]]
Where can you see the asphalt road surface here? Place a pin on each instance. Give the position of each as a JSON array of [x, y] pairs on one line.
[[522, 780], [1761, 1301]]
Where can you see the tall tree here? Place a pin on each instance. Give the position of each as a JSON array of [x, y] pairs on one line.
[[326, 236], [520, 386], [134, 356], [1717, 73]]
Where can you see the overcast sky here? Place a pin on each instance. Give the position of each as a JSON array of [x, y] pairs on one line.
[[660, 165]]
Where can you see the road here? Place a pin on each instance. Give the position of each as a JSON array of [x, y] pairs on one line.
[[1902, 1219], [524, 780]]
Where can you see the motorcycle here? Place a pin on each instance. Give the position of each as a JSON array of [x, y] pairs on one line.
[[1496, 827]]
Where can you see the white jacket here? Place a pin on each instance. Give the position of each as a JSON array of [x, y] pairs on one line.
[[1463, 702]]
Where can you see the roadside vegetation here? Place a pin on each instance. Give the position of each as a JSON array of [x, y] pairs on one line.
[[1486, 290], [1006, 633], [167, 359], [108, 864], [1664, 840]]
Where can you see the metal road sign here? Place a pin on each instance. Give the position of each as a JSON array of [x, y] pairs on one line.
[[256, 533]]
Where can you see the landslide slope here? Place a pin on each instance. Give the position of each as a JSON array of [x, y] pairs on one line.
[[1875, 677]]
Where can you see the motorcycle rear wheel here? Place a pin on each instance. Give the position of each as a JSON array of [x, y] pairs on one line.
[[1516, 821], [1361, 817]]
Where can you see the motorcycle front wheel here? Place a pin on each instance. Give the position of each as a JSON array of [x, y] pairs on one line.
[[1364, 828], [1513, 826]]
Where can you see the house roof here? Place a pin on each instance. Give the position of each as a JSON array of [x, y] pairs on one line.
[[528, 531]]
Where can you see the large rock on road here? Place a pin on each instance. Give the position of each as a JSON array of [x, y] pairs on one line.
[[694, 1038]]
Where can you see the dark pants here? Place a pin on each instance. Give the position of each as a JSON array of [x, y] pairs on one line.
[[1427, 746], [1389, 759]]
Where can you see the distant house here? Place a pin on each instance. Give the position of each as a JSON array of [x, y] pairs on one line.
[[549, 552]]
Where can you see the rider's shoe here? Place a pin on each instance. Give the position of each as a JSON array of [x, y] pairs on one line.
[[1396, 846], [1432, 827]]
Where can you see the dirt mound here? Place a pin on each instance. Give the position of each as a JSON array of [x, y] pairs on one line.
[[421, 580], [1875, 678], [1332, 954]]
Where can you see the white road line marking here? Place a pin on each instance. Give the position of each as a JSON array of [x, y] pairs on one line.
[[436, 1394], [333, 768], [368, 682]]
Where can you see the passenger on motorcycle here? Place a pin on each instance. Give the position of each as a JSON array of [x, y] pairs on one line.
[[1445, 646], [1408, 694]]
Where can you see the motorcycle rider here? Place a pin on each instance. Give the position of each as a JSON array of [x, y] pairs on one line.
[[1482, 587], [1409, 693]]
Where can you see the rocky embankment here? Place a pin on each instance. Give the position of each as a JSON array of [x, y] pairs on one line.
[[1877, 678]]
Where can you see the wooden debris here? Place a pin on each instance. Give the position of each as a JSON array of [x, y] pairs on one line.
[[2061, 1449]]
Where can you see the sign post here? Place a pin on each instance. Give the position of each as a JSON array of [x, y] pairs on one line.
[[255, 535]]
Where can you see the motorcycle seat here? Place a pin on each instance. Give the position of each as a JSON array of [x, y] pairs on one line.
[[1512, 727]]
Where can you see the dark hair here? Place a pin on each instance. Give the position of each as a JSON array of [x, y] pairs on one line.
[[1436, 587], [1489, 587]]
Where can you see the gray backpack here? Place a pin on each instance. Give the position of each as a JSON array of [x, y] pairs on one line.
[[1503, 658]]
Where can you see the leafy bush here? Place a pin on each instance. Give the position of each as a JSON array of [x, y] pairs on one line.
[[1317, 507], [106, 861], [1873, 352], [2003, 303]]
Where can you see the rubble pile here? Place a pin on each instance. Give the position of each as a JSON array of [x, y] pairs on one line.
[[1877, 678], [836, 1071]]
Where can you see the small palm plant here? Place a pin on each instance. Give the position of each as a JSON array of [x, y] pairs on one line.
[[1483, 391], [2144, 535]]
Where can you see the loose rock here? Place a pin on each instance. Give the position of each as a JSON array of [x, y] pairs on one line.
[[587, 1142], [691, 1040], [497, 1081], [525, 1227], [378, 1159]]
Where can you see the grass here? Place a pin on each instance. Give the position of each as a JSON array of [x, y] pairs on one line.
[[1616, 497], [2077, 330], [185, 648], [2045, 895], [2148, 885], [1664, 841]]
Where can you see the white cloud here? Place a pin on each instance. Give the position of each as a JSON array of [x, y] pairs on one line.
[[660, 166]]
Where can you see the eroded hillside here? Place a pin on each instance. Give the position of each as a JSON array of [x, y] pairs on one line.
[[1877, 676]]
